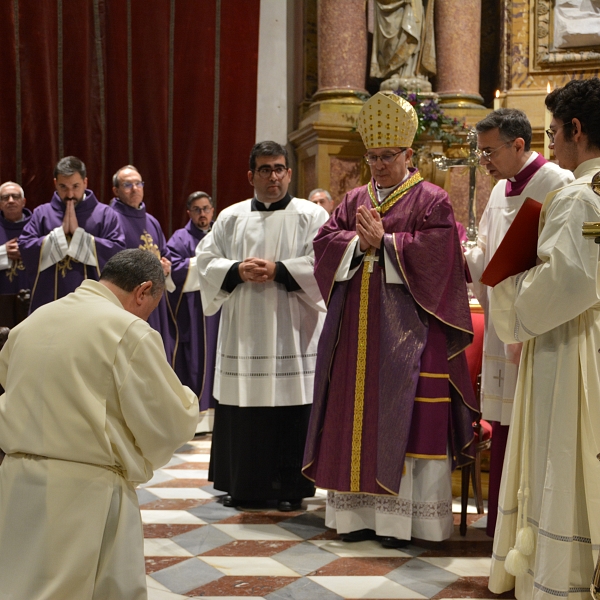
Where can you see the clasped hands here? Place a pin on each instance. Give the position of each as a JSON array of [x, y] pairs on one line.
[[69, 223], [369, 228], [12, 250], [256, 270]]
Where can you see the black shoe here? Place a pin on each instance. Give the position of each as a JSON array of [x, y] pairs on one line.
[[229, 501], [289, 505], [358, 536], [392, 542]]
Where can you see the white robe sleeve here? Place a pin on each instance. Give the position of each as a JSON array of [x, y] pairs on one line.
[[54, 248], [212, 267], [161, 413], [302, 268], [476, 259], [564, 285], [4, 261], [353, 250], [192, 281]]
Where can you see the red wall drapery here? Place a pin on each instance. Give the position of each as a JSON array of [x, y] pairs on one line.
[[130, 81]]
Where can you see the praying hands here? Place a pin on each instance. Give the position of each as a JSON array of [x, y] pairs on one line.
[[369, 228]]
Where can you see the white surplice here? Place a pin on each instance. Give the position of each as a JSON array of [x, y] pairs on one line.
[[500, 360], [554, 308], [91, 408], [267, 345]]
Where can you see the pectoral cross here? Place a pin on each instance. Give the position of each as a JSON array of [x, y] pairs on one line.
[[499, 378], [371, 259]]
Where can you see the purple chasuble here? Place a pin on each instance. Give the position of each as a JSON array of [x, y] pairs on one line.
[[521, 179], [195, 354], [392, 379], [15, 278], [143, 231], [65, 276]]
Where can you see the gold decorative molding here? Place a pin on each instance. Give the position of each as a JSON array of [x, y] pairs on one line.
[[542, 56]]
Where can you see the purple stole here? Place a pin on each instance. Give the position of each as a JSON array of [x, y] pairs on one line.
[[143, 231], [392, 379], [195, 354], [521, 179], [15, 278], [64, 277]]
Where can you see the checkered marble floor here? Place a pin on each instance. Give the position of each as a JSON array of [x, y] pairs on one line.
[[197, 548]]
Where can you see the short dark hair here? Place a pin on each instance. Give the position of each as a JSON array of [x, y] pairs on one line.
[[69, 165], [578, 99], [511, 124], [196, 196], [267, 148], [129, 268], [115, 177]]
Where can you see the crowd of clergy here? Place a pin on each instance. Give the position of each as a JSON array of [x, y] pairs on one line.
[[330, 340]]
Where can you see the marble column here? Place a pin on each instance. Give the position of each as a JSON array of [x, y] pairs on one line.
[[458, 34], [342, 51]]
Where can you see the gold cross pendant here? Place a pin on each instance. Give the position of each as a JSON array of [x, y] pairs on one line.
[[370, 259]]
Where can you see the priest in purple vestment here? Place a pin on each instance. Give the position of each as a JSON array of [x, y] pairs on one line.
[[15, 286], [197, 343], [70, 238], [393, 403], [143, 231]]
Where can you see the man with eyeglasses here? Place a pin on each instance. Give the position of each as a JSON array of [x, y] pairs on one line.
[[70, 238], [143, 231], [548, 529], [393, 407], [197, 342], [257, 264], [15, 285], [504, 141]]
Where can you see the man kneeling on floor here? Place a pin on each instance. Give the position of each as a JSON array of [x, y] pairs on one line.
[[91, 409]]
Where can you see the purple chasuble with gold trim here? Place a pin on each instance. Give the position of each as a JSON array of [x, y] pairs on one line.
[[392, 379], [66, 275], [143, 231], [196, 350]]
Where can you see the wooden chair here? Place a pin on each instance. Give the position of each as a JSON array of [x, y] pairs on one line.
[[472, 471]]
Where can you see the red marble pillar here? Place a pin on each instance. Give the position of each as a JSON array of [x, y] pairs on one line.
[[458, 33], [342, 50]]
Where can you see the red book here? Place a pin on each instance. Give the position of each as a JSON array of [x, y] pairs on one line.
[[517, 252]]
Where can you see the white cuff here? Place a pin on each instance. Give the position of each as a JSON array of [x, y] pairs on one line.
[[169, 283], [82, 247], [192, 281], [344, 272], [54, 248], [4, 261], [391, 274]]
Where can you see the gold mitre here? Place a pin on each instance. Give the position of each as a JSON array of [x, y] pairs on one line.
[[387, 121]]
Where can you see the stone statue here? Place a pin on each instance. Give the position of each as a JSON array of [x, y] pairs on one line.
[[576, 23], [403, 44]]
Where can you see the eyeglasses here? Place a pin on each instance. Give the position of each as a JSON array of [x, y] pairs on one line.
[[551, 134], [201, 209], [7, 197], [129, 186], [486, 154], [265, 172], [386, 159]]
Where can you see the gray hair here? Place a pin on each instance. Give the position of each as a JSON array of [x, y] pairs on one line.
[[69, 165], [196, 196], [129, 268], [511, 124], [115, 177], [12, 183], [320, 190]]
